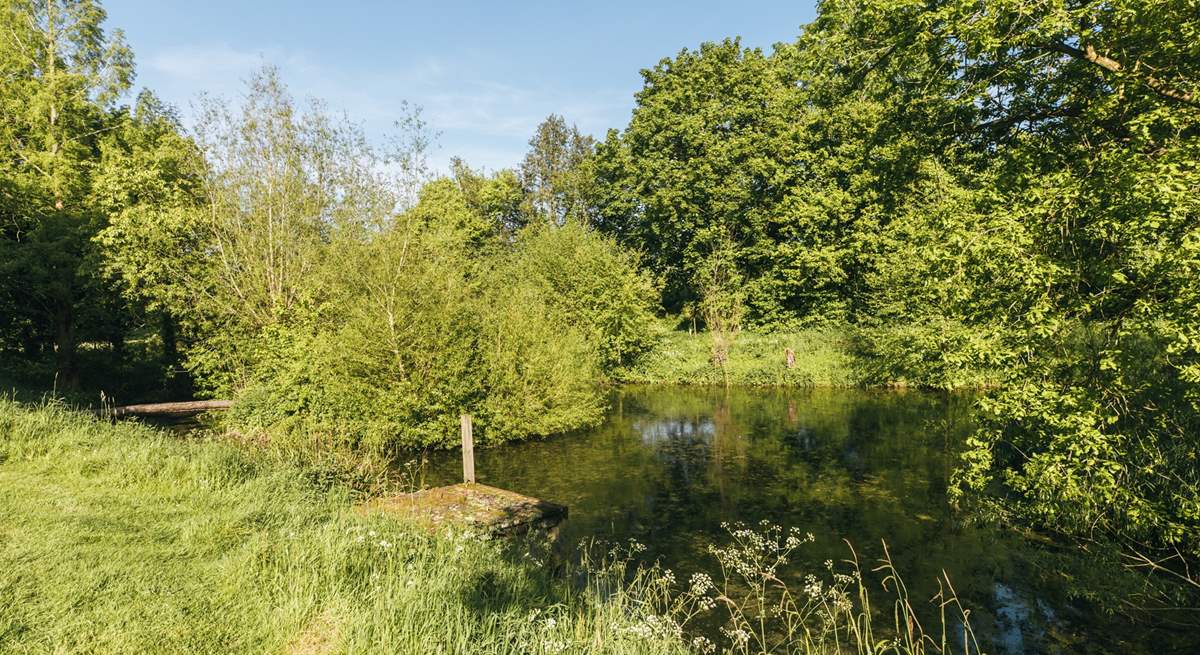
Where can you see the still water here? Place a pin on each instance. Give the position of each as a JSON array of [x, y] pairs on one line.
[[669, 465]]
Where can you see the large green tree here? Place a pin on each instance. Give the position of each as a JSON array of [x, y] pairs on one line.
[[694, 168], [783, 160], [1062, 246], [149, 185], [60, 75]]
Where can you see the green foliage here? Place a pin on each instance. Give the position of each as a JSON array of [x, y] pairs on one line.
[[149, 185], [498, 197], [763, 153], [60, 74], [592, 283], [689, 169], [541, 371], [430, 319], [722, 298], [556, 175], [278, 254], [387, 360]]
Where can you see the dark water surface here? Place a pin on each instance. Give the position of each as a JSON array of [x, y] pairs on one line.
[[670, 464]]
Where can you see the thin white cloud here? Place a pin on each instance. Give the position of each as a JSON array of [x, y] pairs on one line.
[[484, 121]]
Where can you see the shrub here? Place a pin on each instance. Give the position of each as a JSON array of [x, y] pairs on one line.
[[423, 322], [592, 283]]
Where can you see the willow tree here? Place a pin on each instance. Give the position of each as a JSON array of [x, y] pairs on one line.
[[226, 231]]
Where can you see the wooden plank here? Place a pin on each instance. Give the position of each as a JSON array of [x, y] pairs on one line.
[[468, 446]]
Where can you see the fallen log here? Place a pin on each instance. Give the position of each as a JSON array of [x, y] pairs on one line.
[[171, 409]]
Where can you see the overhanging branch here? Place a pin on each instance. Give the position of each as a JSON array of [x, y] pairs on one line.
[[1159, 86]]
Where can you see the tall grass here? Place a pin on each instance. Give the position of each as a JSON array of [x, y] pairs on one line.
[[758, 603], [126, 539]]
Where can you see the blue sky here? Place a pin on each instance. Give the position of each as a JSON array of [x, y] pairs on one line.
[[485, 73]]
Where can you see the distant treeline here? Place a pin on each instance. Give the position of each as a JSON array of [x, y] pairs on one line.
[[1010, 187]]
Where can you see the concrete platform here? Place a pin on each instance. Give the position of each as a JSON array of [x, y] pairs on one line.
[[471, 505]]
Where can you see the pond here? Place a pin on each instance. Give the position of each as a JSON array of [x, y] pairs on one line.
[[669, 465]]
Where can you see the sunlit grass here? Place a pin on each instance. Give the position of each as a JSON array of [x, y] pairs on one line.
[[822, 358], [122, 539]]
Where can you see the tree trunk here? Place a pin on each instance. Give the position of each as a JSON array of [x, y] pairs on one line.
[[172, 409], [176, 382], [170, 341], [66, 369]]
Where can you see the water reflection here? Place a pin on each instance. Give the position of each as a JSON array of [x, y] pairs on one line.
[[669, 465]]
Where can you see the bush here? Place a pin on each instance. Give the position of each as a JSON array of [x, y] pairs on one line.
[[593, 284], [423, 322], [936, 353]]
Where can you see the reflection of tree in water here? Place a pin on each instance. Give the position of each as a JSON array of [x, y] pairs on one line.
[[682, 445], [657, 432]]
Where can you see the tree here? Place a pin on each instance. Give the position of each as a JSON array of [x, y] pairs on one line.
[[498, 198], [722, 299], [555, 172], [729, 144], [149, 184], [280, 183], [61, 74], [1084, 115], [693, 162]]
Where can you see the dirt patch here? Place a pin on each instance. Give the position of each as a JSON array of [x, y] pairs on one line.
[[320, 637]]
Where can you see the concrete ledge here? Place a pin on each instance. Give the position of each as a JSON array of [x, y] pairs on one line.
[[469, 505]]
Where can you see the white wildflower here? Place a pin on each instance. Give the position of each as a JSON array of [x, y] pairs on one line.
[[701, 584]]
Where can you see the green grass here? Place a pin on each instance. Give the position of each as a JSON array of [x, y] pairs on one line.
[[124, 539], [823, 358]]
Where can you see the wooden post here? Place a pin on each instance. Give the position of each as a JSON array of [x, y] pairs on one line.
[[468, 445]]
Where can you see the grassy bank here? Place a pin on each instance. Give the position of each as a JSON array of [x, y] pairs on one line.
[[823, 358], [122, 539], [127, 539]]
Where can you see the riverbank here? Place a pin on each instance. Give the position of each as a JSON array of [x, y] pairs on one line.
[[835, 356], [822, 358], [119, 538]]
